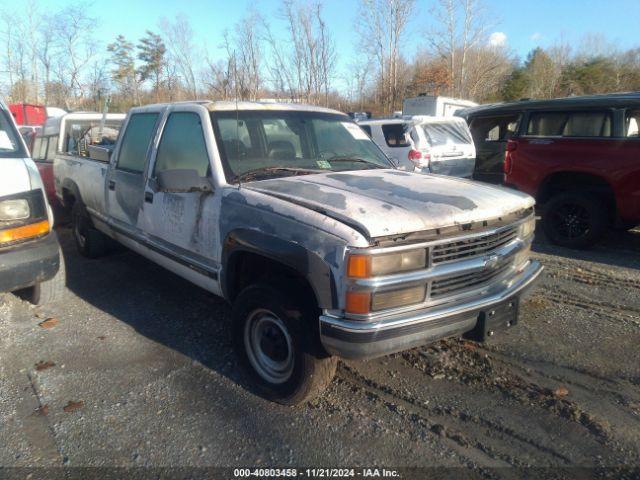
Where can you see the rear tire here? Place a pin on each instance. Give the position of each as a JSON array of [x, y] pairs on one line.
[[49, 291], [276, 340], [90, 242], [574, 219]]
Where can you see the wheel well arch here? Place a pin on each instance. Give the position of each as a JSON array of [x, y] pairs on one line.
[[577, 181], [70, 193], [250, 256]]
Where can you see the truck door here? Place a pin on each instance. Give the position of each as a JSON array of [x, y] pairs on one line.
[[126, 175], [183, 225]]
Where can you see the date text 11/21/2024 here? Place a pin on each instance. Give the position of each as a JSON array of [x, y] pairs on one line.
[[316, 472]]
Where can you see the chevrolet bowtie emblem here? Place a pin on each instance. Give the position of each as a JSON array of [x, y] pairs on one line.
[[491, 261]]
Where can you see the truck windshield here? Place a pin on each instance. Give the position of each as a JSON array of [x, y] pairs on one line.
[[278, 143], [10, 145], [444, 133]]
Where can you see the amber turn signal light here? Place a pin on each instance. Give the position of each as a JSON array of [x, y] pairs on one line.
[[25, 232], [359, 266], [358, 302]]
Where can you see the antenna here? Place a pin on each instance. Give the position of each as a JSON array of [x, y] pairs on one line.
[[235, 82]]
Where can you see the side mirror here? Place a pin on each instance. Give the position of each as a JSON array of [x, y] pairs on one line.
[[182, 181], [100, 153]]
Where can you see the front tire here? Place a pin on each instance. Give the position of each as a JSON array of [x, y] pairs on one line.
[[275, 337], [574, 219]]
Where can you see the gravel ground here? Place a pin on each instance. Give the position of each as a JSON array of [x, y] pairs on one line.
[[136, 369]]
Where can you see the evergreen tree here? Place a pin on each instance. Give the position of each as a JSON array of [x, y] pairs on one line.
[[124, 73], [152, 52]]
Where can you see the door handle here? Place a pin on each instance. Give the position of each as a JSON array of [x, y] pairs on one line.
[[148, 197], [112, 185]]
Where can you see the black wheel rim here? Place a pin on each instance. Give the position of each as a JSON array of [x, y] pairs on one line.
[[571, 221]]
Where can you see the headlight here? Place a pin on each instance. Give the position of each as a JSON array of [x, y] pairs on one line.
[[14, 210], [366, 302], [365, 266], [527, 227], [397, 298]]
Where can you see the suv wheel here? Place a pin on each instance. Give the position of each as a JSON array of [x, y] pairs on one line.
[[90, 242], [574, 219], [275, 337]]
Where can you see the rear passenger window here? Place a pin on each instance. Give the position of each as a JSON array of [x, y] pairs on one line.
[[136, 141], [182, 145], [632, 121], [570, 124], [394, 135], [494, 129]]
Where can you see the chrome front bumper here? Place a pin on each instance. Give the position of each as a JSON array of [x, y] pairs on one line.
[[359, 339]]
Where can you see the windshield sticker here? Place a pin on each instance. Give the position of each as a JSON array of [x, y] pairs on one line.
[[323, 164], [355, 131], [5, 141]]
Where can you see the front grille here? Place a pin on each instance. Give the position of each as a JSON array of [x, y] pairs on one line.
[[465, 281], [473, 247]]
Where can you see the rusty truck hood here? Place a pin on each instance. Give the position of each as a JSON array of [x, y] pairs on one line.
[[392, 202]]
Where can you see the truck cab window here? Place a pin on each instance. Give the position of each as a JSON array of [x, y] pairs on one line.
[[236, 140], [37, 144], [182, 145], [135, 144], [41, 150], [52, 147]]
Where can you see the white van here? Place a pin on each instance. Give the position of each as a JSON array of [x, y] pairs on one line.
[[434, 105], [30, 260], [441, 145]]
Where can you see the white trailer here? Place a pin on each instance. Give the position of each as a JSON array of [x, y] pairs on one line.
[[434, 105]]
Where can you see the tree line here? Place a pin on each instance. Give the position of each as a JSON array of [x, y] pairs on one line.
[[54, 57]]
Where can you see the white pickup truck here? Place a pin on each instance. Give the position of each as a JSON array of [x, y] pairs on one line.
[[294, 216]]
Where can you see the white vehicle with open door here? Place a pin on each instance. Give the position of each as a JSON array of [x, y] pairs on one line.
[[441, 145]]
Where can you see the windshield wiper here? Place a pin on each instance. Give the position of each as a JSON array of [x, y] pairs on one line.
[[269, 171], [355, 160]]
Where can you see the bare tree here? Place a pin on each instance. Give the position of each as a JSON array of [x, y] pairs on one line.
[[76, 48], [16, 53], [244, 50], [46, 50], [303, 62], [182, 51], [461, 28], [218, 78], [382, 28]]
